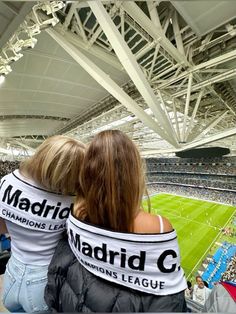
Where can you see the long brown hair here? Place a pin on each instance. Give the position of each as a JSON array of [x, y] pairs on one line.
[[56, 164], [112, 180]]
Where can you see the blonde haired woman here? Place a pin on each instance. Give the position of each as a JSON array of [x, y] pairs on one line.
[[35, 202], [119, 258]]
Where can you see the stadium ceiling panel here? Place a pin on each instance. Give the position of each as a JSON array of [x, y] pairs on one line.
[[164, 72]]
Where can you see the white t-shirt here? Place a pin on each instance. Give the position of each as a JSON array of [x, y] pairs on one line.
[[200, 295], [35, 218]]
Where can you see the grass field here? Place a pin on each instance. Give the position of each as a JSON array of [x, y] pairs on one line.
[[197, 223]]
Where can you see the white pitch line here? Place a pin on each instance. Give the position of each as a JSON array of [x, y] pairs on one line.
[[201, 258], [197, 222], [197, 199]]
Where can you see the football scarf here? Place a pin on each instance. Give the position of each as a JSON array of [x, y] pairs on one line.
[[144, 262], [31, 206]]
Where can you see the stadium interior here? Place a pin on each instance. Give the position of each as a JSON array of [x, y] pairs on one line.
[[163, 72]]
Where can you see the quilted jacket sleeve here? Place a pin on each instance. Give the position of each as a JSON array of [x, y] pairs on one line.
[[57, 273]]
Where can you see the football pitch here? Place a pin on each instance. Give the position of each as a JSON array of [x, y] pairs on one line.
[[197, 223]]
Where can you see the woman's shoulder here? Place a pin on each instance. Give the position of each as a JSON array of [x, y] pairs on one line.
[[150, 223]]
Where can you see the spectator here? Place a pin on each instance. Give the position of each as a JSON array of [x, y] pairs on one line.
[[189, 290], [119, 258], [222, 298], [35, 203], [200, 292]]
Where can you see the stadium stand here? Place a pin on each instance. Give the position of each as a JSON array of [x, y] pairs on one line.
[[218, 266], [212, 179], [230, 273], [5, 168]]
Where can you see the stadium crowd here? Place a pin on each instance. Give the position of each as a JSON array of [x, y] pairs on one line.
[[7, 167], [219, 166], [230, 273], [208, 194], [212, 180], [194, 181]]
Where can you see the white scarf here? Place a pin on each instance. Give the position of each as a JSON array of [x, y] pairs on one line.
[[144, 262], [26, 204]]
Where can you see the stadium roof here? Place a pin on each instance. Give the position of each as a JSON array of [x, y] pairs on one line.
[[164, 72]]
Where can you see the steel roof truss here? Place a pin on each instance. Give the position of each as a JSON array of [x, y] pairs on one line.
[[104, 80], [130, 64]]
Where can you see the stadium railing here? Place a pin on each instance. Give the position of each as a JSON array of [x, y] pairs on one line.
[[195, 307]]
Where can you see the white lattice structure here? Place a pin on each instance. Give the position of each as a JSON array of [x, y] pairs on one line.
[[161, 71]]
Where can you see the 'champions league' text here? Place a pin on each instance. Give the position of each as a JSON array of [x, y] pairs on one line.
[[39, 209], [120, 265]]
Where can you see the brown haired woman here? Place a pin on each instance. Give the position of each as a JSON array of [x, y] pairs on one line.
[[119, 258], [35, 202]]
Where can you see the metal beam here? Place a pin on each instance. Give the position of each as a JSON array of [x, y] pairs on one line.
[[107, 83], [131, 66], [141, 18], [166, 112], [158, 34], [210, 139], [217, 78], [144, 50], [69, 15], [94, 50], [178, 37], [154, 14], [153, 61], [210, 126], [205, 65], [99, 29], [187, 105], [15, 23], [24, 145], [80, 29], [191, 123], [176, 120]]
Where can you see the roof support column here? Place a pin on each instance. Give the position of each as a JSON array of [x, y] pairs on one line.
[[138, 15], [131, 66], [191, 123], [178, 37], [176, 120], [106, 82], [210, 139], [187, 106], [210, 126]]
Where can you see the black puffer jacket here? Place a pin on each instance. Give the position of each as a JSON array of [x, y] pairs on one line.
[[71, 288]]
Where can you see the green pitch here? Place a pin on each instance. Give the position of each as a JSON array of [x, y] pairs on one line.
[[197, 224]]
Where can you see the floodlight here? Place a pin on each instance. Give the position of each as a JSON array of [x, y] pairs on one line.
[[50, 7], [3, 61], [50, 21], [17, 46], [53, 6], [33, 30], [2, 79], [11, 55], [5, 69], [29, 43]]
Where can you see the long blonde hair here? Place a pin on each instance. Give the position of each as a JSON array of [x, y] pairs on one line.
[[112, 182], [56, 164]]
